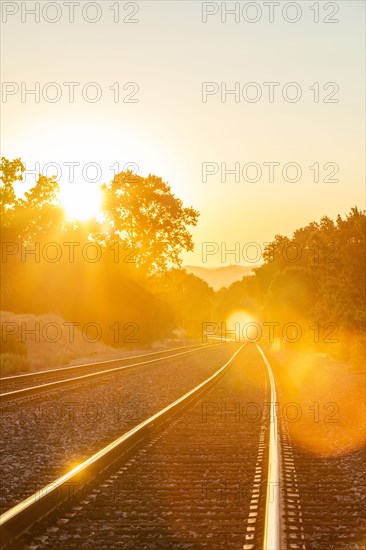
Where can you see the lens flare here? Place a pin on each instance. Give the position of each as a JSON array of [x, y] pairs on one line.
[[330, 418], [240, 324]]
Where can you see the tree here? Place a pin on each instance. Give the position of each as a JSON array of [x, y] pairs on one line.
[[33, 216], [189, 298], [109, 290], [11, 171], [326, 281], [243, 295], [145, 213]]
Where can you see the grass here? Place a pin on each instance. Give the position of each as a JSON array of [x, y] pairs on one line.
[[12, 363], [21, 350]]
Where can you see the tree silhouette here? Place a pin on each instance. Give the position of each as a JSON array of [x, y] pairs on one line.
[[33, 216], [190, 299], [319, 272], [145, 213], [141, 213], [11, 171]]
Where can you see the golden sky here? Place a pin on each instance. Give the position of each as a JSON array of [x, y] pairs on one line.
[[170, 131]]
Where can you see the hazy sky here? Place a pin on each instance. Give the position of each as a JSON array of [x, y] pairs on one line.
[[170, 131]]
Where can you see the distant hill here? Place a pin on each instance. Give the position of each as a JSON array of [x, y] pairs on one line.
[[218, 277]]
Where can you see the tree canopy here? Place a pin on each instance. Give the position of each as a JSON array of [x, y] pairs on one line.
[[145, 213], [140, 211], [141, 217]]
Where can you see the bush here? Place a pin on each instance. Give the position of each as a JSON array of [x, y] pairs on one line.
[[11, 344], [13, 363]]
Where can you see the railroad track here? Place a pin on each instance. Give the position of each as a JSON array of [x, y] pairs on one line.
[[197, 474], [63, 380]]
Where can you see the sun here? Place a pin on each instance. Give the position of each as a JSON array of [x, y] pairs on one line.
[[81, 201]]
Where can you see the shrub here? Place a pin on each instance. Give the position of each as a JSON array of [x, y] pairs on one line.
[[12, 363], [11, 344]]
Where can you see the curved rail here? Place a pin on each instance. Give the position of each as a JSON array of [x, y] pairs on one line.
[[273, 502], [19, 518]]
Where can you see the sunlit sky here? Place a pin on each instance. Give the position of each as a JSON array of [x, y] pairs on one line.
[[171, 132]]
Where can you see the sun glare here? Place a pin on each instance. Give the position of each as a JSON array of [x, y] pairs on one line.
[[242, 324], [81, 201]]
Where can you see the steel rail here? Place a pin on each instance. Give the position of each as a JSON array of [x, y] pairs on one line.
[[19, 518], [271, 540], [33, 390], [49, 372]]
